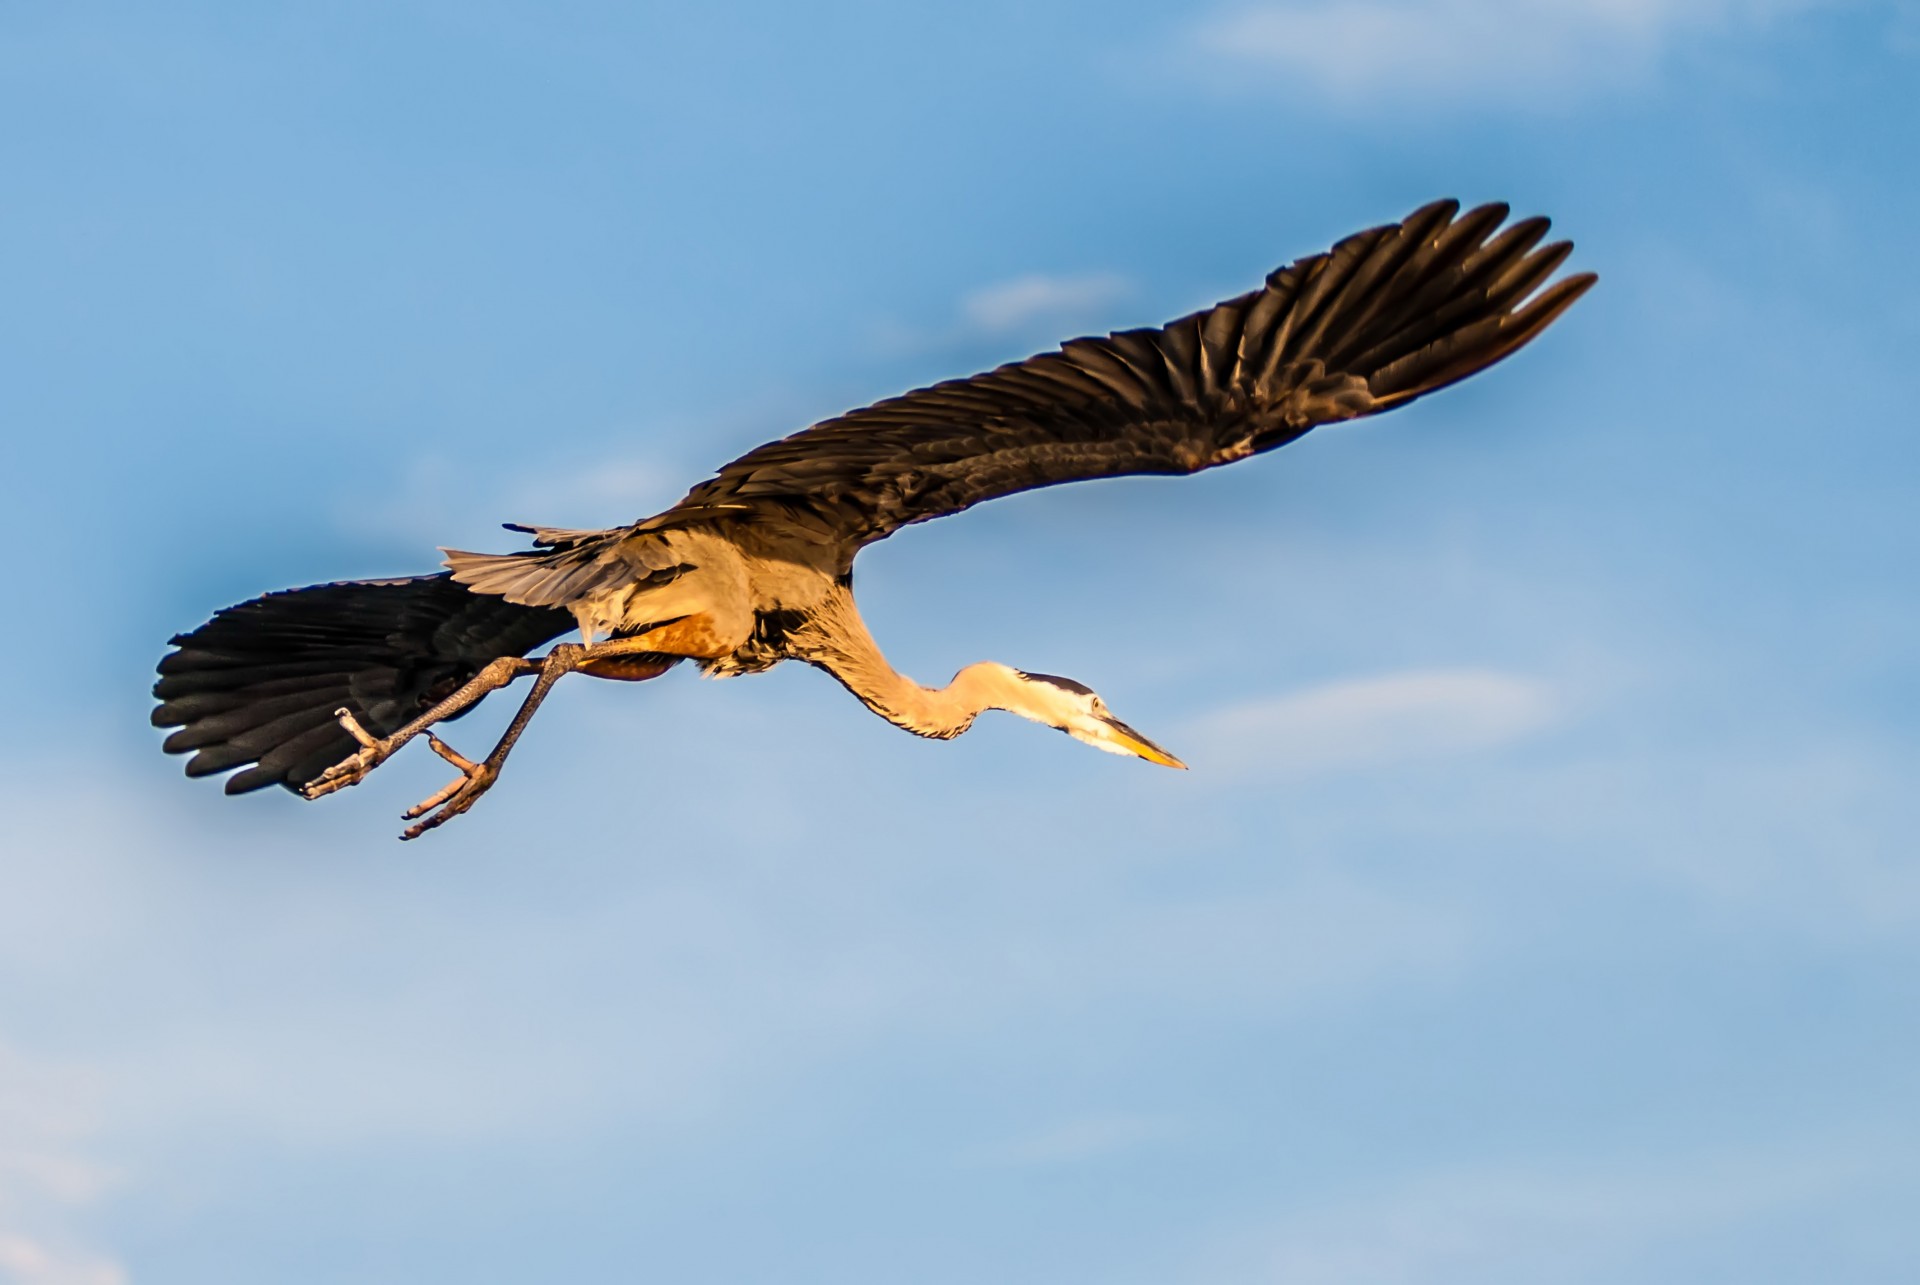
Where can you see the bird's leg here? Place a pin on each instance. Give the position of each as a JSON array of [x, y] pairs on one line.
[[468, 770], [375, 750], [477, 778]]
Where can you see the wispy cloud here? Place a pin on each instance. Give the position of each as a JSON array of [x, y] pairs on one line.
[[1524, 1223], [1812, 835], [1040, 306], [1464, 50], [445, 500], [1085, 1138], [1371, 721], [1029, 300], [723, 994], [44, 1177], [30, 1262]]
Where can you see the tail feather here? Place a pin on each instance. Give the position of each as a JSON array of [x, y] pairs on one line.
[[251, 716], [260, 683], [568, 567]]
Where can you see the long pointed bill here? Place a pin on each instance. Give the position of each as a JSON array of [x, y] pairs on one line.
[[1134, 743]]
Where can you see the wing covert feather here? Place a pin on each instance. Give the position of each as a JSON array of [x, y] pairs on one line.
[[1384, 317]]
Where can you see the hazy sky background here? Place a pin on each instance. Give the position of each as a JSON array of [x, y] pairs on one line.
[[1543, 907]]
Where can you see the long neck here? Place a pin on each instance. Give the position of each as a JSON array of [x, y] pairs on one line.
[[836, 639]]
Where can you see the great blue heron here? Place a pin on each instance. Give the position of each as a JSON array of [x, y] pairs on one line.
[[316, 687]]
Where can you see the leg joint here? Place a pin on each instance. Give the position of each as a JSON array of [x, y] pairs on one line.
[[563, 657]]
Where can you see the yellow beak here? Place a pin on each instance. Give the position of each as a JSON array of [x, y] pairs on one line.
[[1134, 743]]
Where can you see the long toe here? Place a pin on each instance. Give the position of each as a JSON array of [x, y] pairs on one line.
[[353, 769], [348, 771], [450, 801]]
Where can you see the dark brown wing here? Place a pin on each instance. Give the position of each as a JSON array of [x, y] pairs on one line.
[[260, 683], [1384, 317]]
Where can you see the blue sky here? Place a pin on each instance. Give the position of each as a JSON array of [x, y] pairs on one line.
[[1542, 906]]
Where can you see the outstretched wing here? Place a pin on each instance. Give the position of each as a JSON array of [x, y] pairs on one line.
[[1386, 316]]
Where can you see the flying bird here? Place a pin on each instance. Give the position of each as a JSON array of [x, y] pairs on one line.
[[313, 688]]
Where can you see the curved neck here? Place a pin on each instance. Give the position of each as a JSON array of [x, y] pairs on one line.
[[835, 639]]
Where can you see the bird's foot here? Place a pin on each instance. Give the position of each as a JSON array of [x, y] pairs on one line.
[[352, 770], [456, 796]]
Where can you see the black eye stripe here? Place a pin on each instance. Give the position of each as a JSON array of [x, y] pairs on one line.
[[1064, 684]]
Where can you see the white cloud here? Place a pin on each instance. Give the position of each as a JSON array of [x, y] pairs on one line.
[[1496, 1225], [1036, 307], [1027, 300], [378, 1003], [1373, 721], [442, 499], [610, 491], [29, 1262], [1814, 834], [1476, 50], [45, 1116]]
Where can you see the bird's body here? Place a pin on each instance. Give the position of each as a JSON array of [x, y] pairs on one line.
[[755, 566]]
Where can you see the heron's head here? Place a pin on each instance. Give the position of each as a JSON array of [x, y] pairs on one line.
[[1074, 708]]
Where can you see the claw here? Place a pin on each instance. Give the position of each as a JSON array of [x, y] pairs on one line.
[[353, 769], [357, 732], [456, 796]]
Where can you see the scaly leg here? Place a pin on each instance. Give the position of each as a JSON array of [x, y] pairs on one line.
[[376, 750], [477, 778]]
